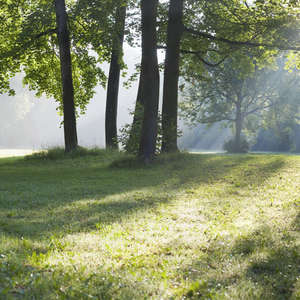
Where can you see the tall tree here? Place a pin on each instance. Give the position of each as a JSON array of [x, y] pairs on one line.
[[229, 96], [39, 48], [149, 80], [66, 77], [171, 74], [212, 30], [114, 77]]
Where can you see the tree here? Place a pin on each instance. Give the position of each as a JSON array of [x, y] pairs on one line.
[[207, 31], [114, 78], [212, 31], [282, 120], [171, 75], [66, 77], [149, 80], [228, 95], [36, 48]]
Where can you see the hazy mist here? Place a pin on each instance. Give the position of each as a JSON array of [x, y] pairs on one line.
[[30, 122], [34, 123]]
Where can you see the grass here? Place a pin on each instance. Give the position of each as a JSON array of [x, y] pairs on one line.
[[190, 226]]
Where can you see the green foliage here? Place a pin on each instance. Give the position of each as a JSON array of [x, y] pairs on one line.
[[230, 145], [10, 19], [129, 136], [30, 29], [130, 133], [44, 55], [268, 96], [228, 29]]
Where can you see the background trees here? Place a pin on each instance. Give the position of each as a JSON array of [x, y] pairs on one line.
[[38, 49], [206, 33], [280, 129], [244, 100], [212, 31]]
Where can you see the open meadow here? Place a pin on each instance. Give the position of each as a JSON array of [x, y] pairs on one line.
[[189, 226]]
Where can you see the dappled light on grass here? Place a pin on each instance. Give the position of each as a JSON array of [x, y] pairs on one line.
[[188, 226]]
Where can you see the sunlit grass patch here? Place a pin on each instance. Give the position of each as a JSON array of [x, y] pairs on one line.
[[188, 226]]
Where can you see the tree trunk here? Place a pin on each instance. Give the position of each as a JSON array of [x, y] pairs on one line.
[[170, 91], [114, 79], [70, 132], [149, 80]]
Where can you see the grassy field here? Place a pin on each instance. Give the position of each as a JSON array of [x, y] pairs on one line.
[[189, 226]]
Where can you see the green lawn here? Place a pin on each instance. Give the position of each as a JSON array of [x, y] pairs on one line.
[[189, 226]]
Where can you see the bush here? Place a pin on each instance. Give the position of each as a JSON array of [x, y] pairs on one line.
[[130, 133], [230, 147]]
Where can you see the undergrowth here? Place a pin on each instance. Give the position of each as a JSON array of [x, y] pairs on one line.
[[60, 153]]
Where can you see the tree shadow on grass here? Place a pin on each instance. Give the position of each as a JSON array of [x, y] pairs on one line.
[[40, 200], [71, 282], [99, 195], [278, 269], [269, 268]]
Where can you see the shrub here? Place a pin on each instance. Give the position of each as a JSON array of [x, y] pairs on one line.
[[230, 146], [130, 133]]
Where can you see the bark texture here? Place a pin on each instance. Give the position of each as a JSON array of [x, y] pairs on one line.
[[114, 80], [70, 131], [149, 80], [170, 90]]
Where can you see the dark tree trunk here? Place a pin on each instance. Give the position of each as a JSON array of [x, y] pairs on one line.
[[114, 79], [149, 80], [170, 91], [70, 131]]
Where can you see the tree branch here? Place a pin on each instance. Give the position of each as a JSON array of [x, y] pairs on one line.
[[236, 43], [198, 56], [48, 31], [203, 60]]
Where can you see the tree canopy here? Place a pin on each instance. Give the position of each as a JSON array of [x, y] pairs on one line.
[[228, 95], [209, 34], [214, 31]]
